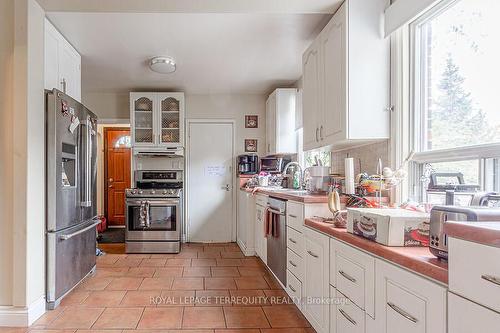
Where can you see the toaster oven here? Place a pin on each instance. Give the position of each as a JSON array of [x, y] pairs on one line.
[[438, 240]]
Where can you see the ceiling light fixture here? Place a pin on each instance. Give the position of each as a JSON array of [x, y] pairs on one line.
[[163, 65]]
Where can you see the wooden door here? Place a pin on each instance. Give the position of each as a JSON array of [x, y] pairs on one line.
[[117, 173]]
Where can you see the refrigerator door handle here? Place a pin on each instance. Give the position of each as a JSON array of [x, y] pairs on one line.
[[76, 233], [87, 199]]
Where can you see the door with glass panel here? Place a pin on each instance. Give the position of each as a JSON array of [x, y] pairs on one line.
[[171, 119], [143, 119]]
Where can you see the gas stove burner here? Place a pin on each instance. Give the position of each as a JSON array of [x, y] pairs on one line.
[[152, 193]]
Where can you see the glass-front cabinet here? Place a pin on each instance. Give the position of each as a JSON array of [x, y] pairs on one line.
[[157, 119]]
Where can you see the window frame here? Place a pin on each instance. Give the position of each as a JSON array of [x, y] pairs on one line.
[[408, 137]]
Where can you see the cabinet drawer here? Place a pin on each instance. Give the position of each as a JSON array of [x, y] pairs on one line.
[[295, 264], [350, 280], [294, 288], [353, 273], [465, 316], [295, 215], [261, 200], [348, 317], [474, 273], [405, 310], [406, 302], [295, 241]]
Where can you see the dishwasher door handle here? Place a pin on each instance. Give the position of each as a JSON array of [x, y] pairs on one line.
[[277, 212]]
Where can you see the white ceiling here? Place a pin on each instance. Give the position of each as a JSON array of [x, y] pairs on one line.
[[193, 6], [215, 52]]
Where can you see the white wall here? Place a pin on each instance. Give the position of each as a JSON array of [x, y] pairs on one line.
[[22, 173], [6, 152], [107, 105], [232, 107], [235, 106]]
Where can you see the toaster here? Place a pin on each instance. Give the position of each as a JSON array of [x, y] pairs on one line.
[[438, 242]]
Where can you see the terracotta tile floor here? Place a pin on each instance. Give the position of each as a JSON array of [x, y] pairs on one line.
[[206, 288]]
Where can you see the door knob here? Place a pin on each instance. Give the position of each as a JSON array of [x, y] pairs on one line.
[[110, 180], [110, 186], [226, 187]]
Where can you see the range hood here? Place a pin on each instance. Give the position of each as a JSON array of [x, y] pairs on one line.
[[160, 152]]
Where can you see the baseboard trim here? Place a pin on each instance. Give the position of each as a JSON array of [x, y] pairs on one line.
[[13, 316], [247, 251]]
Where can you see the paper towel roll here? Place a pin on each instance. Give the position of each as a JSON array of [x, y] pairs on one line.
[[349, 175]]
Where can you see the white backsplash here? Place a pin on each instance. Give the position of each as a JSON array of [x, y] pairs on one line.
[[365, 158]]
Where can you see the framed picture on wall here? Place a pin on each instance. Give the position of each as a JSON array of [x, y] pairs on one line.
[[250, 145], [251, 121]]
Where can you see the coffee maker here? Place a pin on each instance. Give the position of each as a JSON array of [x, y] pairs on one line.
[[248, 164]]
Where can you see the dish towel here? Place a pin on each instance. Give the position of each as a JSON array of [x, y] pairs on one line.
[[144, 214]]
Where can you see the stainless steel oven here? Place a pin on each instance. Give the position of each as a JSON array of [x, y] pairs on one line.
[[154, 214]]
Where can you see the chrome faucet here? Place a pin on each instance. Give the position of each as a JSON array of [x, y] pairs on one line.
[[301, 178]]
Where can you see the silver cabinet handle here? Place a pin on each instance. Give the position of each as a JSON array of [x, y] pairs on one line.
[[491, 278], [292, 216], [312, 254], [292, 263], [292, 288], [402, 312], [317, 134], [76, 233], [292, 240], [346, 316], [347, 276], [321, 133]]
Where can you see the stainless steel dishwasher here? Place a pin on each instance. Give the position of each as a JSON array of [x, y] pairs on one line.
[[276, 239]]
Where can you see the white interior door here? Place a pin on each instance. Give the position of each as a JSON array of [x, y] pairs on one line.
[[210, 186]]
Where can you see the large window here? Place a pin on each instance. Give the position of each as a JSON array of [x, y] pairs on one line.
[[455, 52]]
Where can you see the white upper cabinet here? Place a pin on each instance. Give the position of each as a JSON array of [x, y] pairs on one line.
[[310, 96], [157, 119], [346, 73], [62, 64], [281, 137]]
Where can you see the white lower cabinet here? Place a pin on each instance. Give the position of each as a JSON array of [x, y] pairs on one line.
[[260, 238], [465, 316], [406, 302], [246, 223], [316, 280]]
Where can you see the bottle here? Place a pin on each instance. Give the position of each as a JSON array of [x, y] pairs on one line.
[[296, 179]]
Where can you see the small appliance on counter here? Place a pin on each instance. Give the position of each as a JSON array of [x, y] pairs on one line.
[[440, 214], [389, 226], [450, 189], [248, 164], [317, 179], [274, 164]]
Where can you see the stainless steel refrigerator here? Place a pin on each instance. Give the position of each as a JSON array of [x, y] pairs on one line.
[[71, 172]]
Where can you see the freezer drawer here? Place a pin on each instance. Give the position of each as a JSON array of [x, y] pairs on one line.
[[70, 257]]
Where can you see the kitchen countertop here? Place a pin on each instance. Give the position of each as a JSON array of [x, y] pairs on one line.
[[301, 197], [416, 259], [487, 233]]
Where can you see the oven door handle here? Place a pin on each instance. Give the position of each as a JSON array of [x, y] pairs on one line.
[[153, 202]]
